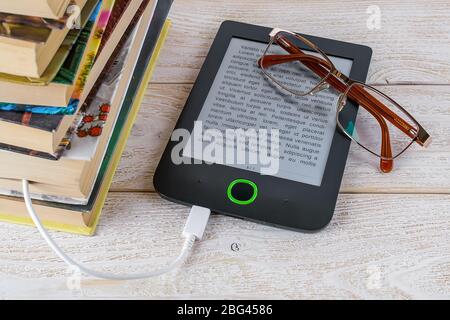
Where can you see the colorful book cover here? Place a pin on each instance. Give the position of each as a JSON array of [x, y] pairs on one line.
[[108, 32], [43, 122], [89, 52], [98, 103], [50, 123], [62, 53], [121, 133], [120, 6], [67, 72]]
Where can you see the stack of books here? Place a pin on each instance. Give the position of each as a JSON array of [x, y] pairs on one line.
[[72, 77]]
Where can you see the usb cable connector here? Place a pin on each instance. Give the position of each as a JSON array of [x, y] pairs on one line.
[[196, 222]]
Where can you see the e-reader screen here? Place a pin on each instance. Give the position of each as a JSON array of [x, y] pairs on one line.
[[241, 97]]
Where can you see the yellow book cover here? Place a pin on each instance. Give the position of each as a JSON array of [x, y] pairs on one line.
[[94, 215]]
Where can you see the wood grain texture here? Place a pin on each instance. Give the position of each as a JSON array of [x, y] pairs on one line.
[[411, 46], [419, 170], [390, 235], [368, 251]]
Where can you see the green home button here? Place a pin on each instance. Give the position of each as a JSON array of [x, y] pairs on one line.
[[242, 191]]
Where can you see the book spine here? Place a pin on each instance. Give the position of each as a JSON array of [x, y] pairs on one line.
[[87, 62], [93, 46]]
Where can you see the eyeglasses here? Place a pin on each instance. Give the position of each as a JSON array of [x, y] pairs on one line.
[[382, 126]]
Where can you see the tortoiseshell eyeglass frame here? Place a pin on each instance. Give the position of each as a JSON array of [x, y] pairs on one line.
[[349, 88]]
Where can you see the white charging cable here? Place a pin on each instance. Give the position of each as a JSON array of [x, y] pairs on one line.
[[193, 230]]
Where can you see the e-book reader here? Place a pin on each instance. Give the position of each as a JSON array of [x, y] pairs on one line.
[[245, 148]]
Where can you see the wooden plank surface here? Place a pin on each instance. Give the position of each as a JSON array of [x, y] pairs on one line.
[[411, 46], [368, 251], [390, 235]]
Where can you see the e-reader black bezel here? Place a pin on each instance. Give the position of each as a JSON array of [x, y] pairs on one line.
[[280, 202]]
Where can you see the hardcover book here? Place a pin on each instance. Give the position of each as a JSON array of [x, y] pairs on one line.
[[61, 76], [52, 126], [28, 58], [87, 15], [77, 66], [43, 90], [63, 68]]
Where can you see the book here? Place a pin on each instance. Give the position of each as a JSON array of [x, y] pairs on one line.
[[77, 67], [62, 52], [51, 130], [64, 75], [75, 172], [103, 107], [51, 9], [84, 219], [55, 87], [15, 138], [49, 89], [31, 59]]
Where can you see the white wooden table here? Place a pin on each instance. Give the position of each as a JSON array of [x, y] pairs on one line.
[[389, 238]]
